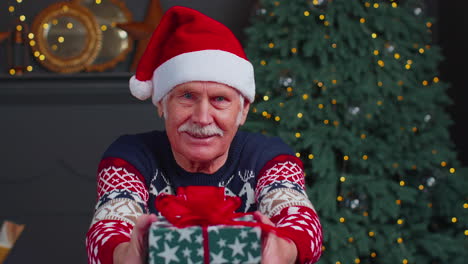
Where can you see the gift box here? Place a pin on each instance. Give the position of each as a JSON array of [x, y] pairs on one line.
[[200, 225], [225, 244]]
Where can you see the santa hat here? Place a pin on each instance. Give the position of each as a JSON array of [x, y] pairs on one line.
[[189, 46]]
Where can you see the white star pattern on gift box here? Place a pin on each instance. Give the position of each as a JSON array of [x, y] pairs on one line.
[[237, 248], [154, 241], [169, 254], [200, 252], [185, 234], [252, 259], [169, 236], [221, 243], [218, 258], [186, 252], [243, 234], [199, 239], [255, 245]]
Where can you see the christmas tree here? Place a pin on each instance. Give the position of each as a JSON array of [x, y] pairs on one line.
[[353, 87]]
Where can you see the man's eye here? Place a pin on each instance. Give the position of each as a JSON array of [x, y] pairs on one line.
[[220, 99], [188, 96]]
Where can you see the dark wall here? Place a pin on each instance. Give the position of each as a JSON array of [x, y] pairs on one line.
[[453, 31], [49, 157]]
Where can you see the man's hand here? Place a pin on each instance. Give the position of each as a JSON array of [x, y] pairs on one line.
[[276, 249], [134, 251]]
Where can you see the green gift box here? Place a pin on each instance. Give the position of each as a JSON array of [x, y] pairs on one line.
[[224, 243]]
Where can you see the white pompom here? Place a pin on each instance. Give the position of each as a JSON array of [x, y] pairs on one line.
[[141, 89]]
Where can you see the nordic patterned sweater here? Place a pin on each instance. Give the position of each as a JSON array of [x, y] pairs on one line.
[[262, 171]]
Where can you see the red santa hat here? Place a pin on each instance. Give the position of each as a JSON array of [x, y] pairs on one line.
[[189, 46]]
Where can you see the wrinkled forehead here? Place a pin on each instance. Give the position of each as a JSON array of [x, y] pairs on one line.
[[208, 86]]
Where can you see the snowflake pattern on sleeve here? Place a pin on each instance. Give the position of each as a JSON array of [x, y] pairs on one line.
[[122, 198], [280, 195]]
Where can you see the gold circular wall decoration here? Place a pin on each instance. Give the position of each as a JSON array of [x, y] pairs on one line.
[[67, 37], [116, 43]]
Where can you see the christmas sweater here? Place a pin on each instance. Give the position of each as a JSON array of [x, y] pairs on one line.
[[262, 171]]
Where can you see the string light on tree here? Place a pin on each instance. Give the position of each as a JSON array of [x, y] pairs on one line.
[[318, 4]]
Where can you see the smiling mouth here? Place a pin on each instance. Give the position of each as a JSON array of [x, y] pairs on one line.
[[198, 136]]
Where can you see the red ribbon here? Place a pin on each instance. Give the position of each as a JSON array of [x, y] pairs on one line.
[[204, 206]]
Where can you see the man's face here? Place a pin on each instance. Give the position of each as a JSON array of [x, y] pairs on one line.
[[201, 120]]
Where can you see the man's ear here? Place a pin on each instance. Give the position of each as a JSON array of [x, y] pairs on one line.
[[160, 108], [245, 111]]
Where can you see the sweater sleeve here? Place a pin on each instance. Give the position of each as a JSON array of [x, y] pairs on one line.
[[121, 197], [280, 195]]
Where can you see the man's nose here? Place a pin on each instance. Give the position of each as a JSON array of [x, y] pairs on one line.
[[202, 113]]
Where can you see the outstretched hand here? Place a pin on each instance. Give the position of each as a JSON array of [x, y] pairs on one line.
[[134, 251], [274, 248]]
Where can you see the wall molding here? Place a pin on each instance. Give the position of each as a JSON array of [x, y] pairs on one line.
[[81, 88]]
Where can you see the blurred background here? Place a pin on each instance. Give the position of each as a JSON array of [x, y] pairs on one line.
[[64, 71]]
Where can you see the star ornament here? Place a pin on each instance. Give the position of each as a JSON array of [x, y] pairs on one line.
[[141, 31]]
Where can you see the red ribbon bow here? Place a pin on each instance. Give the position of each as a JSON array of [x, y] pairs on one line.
[[203, 206], [198, 205]]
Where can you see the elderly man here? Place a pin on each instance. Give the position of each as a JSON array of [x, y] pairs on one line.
[[201, 82]]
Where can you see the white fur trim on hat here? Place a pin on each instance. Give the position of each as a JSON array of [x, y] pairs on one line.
[[205, 65], [141, 89]]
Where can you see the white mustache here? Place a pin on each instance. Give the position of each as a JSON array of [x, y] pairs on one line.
[[201, 131]]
